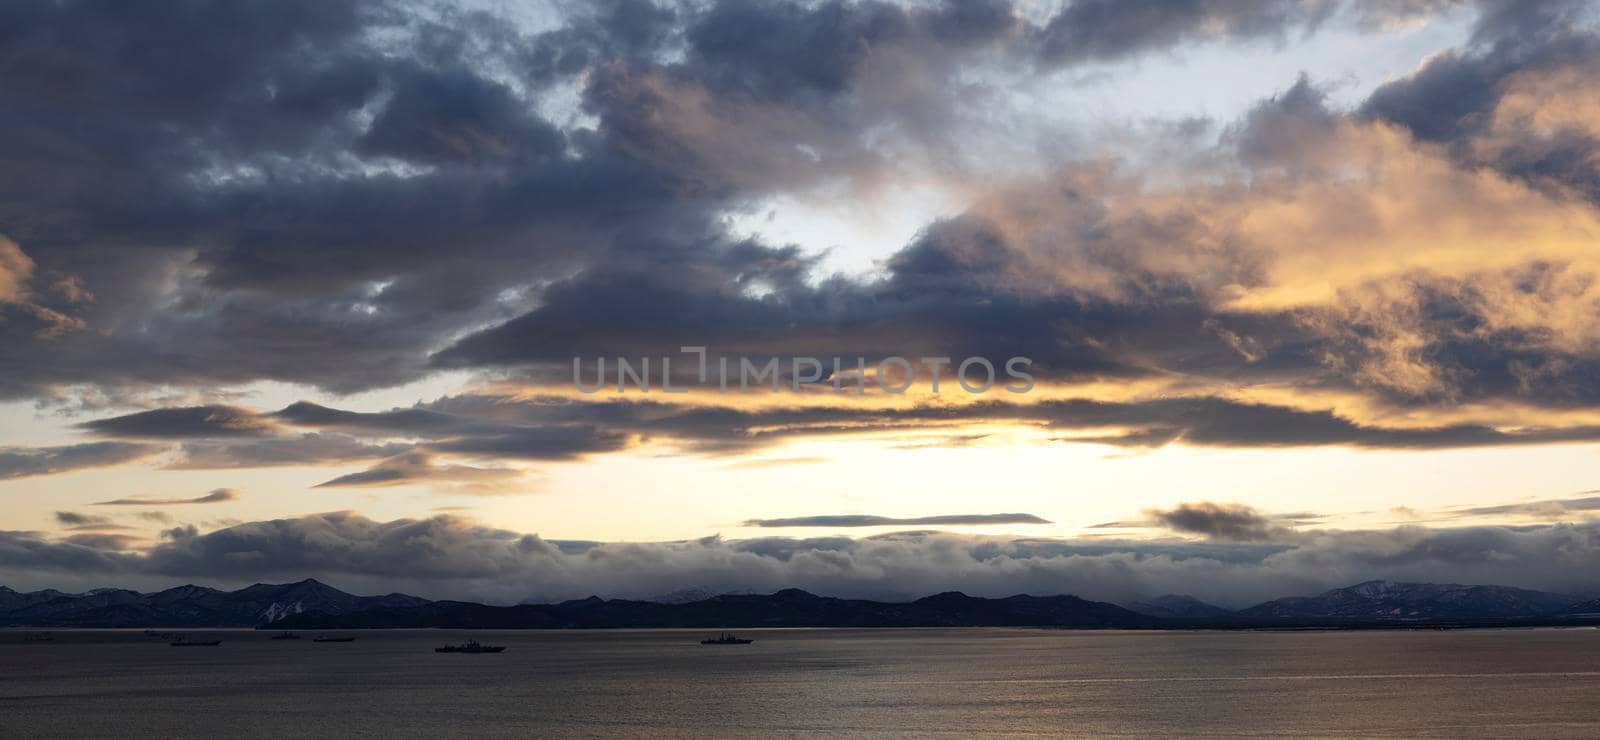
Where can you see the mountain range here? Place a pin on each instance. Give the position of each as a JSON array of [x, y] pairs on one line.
[[1402, 602], [310, 604], [787, 608], [186, 606]]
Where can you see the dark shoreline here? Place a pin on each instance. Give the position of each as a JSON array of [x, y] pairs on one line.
[[312, 606]]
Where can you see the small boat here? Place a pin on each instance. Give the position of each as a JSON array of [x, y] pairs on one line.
[[325, 638], [195, 643], [471, 646], [286, 636], [726, 638]]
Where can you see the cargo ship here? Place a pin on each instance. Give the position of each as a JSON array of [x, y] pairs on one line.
[[471, 646]]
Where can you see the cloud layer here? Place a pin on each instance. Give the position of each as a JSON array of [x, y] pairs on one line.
[[1434, 245], [339, 196], [450, 556]]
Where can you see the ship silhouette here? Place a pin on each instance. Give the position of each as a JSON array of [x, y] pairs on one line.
[[470, 646]]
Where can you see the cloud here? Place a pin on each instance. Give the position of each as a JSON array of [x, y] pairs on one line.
[[186, 421], [448, 118], [1251, 275], [1199, 421], [453, 557], [492, 427], [1106, 30], [863, 520], [1544, 509], [397, 421], [311, 217], [17, 299], [75, 521], [22, 552], [1226, 522], [23, 462], [419, 467], [15, 271], [218, 496], [115, 542], [306, 449], [537, 443]]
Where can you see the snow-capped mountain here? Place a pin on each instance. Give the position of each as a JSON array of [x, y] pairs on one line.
[[186, 606], [1387, 600]]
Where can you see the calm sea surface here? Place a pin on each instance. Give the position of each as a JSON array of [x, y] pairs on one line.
[[1514, 683]]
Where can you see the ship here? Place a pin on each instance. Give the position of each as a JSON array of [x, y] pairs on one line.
[[471, 646], [40, 637], [726, 638], [286, 636], [185, 642], [325, 638]]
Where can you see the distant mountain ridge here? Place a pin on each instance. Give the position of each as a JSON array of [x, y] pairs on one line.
[[186, 606], [1178, 606], [786, 608], [310, 604], [1390, 601]]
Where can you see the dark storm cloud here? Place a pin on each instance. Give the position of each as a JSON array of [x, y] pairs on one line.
[[220, 495], [630, 30], [23, 462], [948, 294], [182, 422], [286, 178], [237, 155], [779, 49], [863, 520], [281, 178], [442, 119]]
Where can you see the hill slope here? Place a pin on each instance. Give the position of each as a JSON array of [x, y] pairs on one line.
[[787, 608], [1389, 601], [1178, 606], [186, 606]]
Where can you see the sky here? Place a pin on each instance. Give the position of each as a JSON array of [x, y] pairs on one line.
[[1307, 292]]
